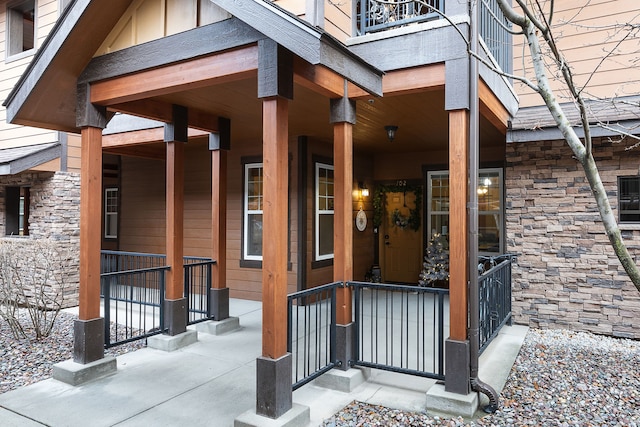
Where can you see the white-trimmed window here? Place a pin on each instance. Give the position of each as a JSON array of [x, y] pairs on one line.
[[324, 199], [490, 210], [17, 211], [111, 213], [629, 198], [20, 27], [253, 208]]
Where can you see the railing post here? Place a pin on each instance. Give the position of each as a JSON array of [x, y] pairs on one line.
[[106, 289], [162, 298]]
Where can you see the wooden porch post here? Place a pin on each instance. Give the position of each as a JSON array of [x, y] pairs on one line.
[[275, 88], [343, 117], [88, 329], [457, 369], [219, 293], [175, 303]]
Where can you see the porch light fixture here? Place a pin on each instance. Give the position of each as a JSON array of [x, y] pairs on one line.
[[391, 132], [364, 191]]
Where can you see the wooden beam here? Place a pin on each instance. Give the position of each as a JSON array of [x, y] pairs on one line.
[[413, 80], [458, 223], [147, 151], [90, 223], [219, 218], [163, 111], [275, 226], [343, 217], [201, 72], [319, 79], [492, 109], [141, 137], [175, 219]]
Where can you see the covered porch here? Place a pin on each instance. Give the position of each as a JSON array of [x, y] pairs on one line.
[[278, 109]]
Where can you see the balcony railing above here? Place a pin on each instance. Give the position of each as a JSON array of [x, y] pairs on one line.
[[377, 15]]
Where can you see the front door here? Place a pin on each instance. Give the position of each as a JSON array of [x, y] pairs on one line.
[[401, 245]]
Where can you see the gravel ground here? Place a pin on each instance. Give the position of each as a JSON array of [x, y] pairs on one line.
[[26, 361], [560, 378]]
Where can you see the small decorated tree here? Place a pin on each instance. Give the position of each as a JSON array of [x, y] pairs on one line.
[[435, 269]]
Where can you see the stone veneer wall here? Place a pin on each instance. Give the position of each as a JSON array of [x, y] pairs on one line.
[[567, 275], [54, 214]]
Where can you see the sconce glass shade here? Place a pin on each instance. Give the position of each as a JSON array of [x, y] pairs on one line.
[[391, 132], [364, 191]]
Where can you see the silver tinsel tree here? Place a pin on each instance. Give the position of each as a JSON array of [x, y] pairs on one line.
[[435, 267]]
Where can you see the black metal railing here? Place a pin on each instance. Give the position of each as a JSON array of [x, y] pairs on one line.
[[311, 332], [112, 261], [133, 304], [495, 297], [197, 282], [133, 292], [377, 15], [494, 30], [400, 328]]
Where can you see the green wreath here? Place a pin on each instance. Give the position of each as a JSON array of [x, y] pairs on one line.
[[379, 199]]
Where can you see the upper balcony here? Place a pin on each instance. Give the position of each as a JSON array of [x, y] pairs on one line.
[[373, 16]]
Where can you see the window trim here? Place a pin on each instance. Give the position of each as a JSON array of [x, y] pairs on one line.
[[620, 210], [249, 260], [317, 212], [10, 54], [17, 201], [501, 211], [108, 214]]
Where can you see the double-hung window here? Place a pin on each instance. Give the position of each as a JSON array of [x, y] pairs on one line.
[[490, 208], [324, 198], [111, 213], [253, 208]]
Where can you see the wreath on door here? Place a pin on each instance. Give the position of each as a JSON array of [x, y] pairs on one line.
[[413, 220]]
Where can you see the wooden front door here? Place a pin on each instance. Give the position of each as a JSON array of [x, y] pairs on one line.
[[401, 245]]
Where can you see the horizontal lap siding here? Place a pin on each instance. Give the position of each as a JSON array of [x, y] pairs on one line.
[[10, 71], [584, 43]]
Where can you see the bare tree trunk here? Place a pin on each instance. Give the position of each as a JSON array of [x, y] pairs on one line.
[[581, 151]]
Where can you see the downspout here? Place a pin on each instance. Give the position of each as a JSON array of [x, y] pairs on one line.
[[474, 165]]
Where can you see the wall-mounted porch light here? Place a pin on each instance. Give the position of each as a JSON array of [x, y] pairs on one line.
[[364, 191], [391, 132]]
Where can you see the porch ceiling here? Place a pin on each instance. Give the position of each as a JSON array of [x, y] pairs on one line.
[[421, 119]]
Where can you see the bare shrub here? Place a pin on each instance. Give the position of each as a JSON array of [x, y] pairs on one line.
[[31, 276]]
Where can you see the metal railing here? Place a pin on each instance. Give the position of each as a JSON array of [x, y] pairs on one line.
[[133, 304], [495, 34], [112, 261], [133, 292], [400, 328], [311, 332], [197, 282], [495, 298], [377, 15]]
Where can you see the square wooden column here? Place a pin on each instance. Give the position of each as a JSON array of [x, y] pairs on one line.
[[175, 303], [457, 346], [275, 88], [219, 293], [343, 117], [89, 328]]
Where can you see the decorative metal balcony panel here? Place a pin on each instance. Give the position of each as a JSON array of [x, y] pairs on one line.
[[377, 15]]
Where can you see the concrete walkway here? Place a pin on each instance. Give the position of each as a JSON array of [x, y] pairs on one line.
[[212, 382]]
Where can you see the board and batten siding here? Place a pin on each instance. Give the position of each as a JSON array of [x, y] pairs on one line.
[[147, 20], [584, 34]]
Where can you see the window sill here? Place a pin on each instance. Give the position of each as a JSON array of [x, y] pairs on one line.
[[18, 56], [629, 226]]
